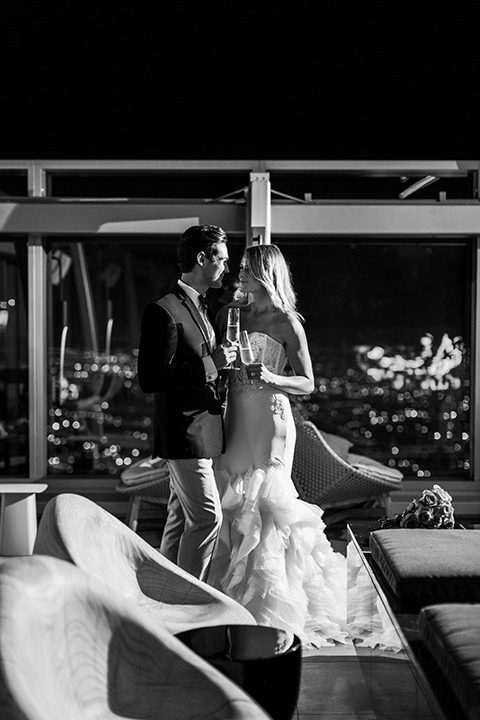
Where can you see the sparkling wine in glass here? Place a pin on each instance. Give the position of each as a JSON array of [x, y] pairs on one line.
[[246, 352], [233, 327]]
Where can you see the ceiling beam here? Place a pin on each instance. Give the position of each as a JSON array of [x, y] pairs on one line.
[[383, 167], [398, 218], [48, 217]]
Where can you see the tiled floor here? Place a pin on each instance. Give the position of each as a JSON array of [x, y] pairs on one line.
[[349, 683]]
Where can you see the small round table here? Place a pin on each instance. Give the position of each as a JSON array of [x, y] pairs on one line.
[[264, 661], [18, 517]]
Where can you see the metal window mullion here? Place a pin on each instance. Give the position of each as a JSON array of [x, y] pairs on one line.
[[37, 180], [259, 209], [37, 357], [475, 371]]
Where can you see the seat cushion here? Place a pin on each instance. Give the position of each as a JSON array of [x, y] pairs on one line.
[[373, 468], [145, 470], [423, 567], [451, 633], [339, 445]]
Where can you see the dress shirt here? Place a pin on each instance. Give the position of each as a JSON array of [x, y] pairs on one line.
[[211, 371]]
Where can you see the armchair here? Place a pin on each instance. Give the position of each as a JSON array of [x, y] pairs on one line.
[[324, 478], [147, 480], [70, 648], [75, 529]]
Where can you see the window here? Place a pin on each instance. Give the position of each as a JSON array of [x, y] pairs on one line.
[[356, 186], [388, 325], [390, 321], [13, 183], [100, 421], [13, 358], [146, 185]]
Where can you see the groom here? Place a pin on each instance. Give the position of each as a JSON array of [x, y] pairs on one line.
[[179, 359]]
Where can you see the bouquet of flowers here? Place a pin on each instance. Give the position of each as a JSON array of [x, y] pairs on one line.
[[433, 510]]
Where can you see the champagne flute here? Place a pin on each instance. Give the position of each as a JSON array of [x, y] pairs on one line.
[[233, 327], [246, 352]]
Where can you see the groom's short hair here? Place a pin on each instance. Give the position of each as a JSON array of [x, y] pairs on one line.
[[199, 238]]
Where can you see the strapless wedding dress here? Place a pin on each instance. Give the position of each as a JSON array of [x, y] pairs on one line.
[[273, 555]]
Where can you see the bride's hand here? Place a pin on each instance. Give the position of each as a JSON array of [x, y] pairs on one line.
[[258, 371]]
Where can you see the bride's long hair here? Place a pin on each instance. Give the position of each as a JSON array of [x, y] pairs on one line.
[[268, 265]]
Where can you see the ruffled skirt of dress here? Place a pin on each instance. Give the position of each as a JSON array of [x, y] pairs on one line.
[[274, 558]]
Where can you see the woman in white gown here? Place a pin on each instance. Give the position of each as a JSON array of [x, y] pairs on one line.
[[273, 556]]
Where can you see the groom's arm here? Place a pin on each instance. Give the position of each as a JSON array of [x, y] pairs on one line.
[[165, 360]]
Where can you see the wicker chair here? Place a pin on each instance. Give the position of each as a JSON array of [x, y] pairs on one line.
[[145, 481], [323, 478], [70, 647]]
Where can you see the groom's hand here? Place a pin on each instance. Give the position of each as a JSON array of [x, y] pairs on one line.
[[223, 355]]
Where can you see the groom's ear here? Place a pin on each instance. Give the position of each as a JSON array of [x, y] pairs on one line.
[[201, 258]]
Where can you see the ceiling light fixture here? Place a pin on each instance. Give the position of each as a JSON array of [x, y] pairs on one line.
[[428, 180]]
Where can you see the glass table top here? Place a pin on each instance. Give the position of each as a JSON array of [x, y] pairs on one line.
[[390, 668]]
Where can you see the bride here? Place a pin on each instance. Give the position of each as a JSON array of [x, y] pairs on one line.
[[273, 556]]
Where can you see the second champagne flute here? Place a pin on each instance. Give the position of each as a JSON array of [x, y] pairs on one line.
[[246, 352]]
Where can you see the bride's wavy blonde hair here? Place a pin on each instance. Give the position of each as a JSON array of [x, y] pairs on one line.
[[268, 265]]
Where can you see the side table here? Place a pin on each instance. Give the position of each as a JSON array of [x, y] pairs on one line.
[[18, 517], [264, 661]]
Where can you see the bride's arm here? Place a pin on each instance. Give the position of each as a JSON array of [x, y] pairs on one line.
[[296, 346]]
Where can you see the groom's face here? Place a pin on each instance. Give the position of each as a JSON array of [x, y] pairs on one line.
[[216, 268]]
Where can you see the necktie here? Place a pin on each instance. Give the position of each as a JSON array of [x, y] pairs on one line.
[[204, 305], [204, 301]]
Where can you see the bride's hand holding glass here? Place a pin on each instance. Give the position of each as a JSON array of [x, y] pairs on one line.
[[254, 371], [257, 372], [246, 352]]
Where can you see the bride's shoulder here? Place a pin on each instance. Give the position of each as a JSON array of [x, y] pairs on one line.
[[289, 326], [284, 321]]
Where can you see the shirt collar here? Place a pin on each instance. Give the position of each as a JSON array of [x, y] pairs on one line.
[[193, 294]]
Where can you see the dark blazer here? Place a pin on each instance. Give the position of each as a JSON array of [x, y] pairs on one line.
[[188, 419]]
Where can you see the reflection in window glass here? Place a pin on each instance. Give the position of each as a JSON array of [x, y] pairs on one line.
[[388, 329], [100, 422], [13, 359]]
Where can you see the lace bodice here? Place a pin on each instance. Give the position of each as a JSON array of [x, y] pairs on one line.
[[265, 350], [268, 351]]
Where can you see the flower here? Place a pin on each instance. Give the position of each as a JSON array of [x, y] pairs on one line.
[[429, 498], [433, 510]]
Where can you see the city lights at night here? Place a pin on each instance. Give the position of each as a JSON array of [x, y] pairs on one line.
[[406, 407]]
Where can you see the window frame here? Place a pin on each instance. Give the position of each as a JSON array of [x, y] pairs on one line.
[[38, 219]]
